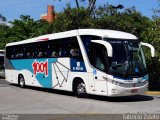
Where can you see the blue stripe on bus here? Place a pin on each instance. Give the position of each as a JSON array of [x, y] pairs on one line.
[[122, 78]]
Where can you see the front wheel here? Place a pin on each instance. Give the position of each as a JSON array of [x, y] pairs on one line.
[[21, 81], [80, 89]]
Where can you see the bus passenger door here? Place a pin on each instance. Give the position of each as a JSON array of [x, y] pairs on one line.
[[100, 87], [100, 62]]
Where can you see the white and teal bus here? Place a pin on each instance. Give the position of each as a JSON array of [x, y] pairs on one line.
[[85, 61]]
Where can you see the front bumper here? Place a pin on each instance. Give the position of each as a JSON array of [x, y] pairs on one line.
[[114, 90]]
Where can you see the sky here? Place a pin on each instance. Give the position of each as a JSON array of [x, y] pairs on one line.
[[12, 9]]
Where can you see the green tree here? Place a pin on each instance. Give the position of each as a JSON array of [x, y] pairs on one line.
[[128, 20], [26, 28], [72, 18], [2, 18], [3, 35], [3, 31], [90, 6], [152, 35]]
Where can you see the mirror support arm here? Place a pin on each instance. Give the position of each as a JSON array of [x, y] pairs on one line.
[[150, 46], [107, 45]]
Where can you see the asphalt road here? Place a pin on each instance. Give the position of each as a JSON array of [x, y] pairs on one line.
[[35, 101]]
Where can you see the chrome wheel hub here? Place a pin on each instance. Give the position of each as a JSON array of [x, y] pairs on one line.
[[81, 88]]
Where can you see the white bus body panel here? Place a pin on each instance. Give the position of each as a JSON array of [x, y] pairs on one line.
[[60, 73], [12, 77]]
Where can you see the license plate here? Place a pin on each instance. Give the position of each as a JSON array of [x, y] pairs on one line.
[[134, 90]]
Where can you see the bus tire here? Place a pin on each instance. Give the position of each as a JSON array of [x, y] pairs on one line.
[[21, 81], [80, 89]]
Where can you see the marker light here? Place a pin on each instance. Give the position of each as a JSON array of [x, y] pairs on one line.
[[43, 39]]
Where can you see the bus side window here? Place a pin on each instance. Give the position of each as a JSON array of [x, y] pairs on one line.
[[16, 52], [29, 52], [99, 57], [13, 54], [86, 39], [56, 48], [75, 52], [19, 52], [41, 49], [40, 52], [60, 52], [9, 52], [73, 49], [53, 52]]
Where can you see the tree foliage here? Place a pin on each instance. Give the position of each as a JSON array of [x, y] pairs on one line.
[[90, 7], [2, 18], [72, 18], [22, 29]]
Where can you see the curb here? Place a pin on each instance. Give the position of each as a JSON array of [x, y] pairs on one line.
[[153, 93]]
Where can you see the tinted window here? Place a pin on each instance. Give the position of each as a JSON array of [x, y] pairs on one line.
[[66, 47], [8, 52], [86, 39], [15, 52], [56, 48], [73, 49], [30, 51], [99, 57], [41, 50]]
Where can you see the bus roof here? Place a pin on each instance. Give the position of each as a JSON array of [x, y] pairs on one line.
[[96, 32], [2, 52]]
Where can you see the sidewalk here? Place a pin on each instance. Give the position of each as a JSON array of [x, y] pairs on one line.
[[153, 93]]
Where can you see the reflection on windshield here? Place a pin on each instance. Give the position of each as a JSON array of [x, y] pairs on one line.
[[128, 59]]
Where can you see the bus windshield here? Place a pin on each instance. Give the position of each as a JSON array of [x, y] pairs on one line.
[[128, 59]]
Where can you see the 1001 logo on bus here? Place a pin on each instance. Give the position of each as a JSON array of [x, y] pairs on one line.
[[40, 67]]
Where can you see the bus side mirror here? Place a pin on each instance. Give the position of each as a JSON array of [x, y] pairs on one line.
[[107, 45], [150, 46]]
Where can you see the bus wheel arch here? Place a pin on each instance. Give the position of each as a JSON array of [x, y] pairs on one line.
[[79, 87], [21, 81]]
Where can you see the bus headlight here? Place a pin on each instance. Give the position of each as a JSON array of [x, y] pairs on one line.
[[113, 81]]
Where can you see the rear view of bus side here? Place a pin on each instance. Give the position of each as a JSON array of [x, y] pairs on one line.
[[85, 61]]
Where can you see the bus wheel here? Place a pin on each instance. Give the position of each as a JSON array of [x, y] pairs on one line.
[[80, 89], [21, 81]]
